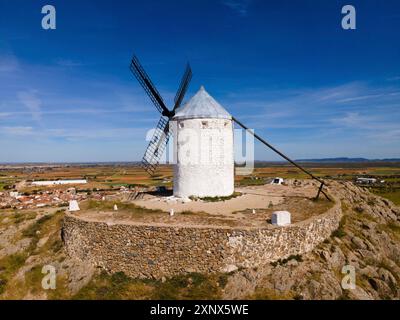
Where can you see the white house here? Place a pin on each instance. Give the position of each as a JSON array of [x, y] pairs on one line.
[[366, 180], [277, 180], [56, 182]]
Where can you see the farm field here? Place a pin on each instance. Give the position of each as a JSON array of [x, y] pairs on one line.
[[107, 176]]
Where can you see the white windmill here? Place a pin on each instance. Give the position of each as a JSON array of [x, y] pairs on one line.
[[203, 135]]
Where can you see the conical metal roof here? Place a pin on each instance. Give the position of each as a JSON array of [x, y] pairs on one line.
[[202, 105]]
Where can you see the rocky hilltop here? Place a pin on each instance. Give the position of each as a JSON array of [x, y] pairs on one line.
[[368, 239]]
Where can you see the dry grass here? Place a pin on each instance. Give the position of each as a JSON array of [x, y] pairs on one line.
[[94, 205], [390, 194], [269, 294], [183, 287], [46, 226], [300, 209]]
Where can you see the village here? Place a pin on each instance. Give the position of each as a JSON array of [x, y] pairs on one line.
[[57, 193]]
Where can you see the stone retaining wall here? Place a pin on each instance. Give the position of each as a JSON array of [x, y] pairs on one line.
[[147, 251]]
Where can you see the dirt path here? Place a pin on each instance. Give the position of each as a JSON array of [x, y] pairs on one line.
[[254, 197]]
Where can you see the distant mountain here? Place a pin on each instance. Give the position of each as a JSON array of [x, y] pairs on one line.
[[345, 159]]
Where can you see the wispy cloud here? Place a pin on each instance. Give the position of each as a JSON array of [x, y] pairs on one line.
[[68, 63], [239, 6], [17, 131], [77, 111], [94, 133], [8, 63], [73, 134], [354, 115], [369, 97], [32, 102], [385, 136], [5, 114], [356, 120], [294, 108], [395, 78]]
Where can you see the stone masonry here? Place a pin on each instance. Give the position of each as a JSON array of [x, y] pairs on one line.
[[154, 251]]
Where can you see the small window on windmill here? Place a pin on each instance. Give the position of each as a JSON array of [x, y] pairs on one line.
[[225, 123], [181, 125], [204, 124]]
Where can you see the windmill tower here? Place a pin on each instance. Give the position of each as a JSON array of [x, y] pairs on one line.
[[203, 136]]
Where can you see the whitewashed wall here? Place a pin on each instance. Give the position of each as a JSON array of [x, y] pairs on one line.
[[205, 163]]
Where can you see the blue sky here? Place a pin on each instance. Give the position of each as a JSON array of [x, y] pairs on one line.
[[285, 68]]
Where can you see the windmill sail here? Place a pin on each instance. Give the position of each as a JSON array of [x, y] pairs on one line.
[[187, 76], [148, 86], [158, 143], [156, 146]]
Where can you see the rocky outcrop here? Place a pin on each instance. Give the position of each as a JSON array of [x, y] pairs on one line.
[[367, 239]]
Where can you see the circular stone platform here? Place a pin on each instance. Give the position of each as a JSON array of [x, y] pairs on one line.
[[148, 243]]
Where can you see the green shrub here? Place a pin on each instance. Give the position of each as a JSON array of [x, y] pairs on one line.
[[216, 199], [189, 286], [9, 265], [338, 233], [281, 262], [3, 283]]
